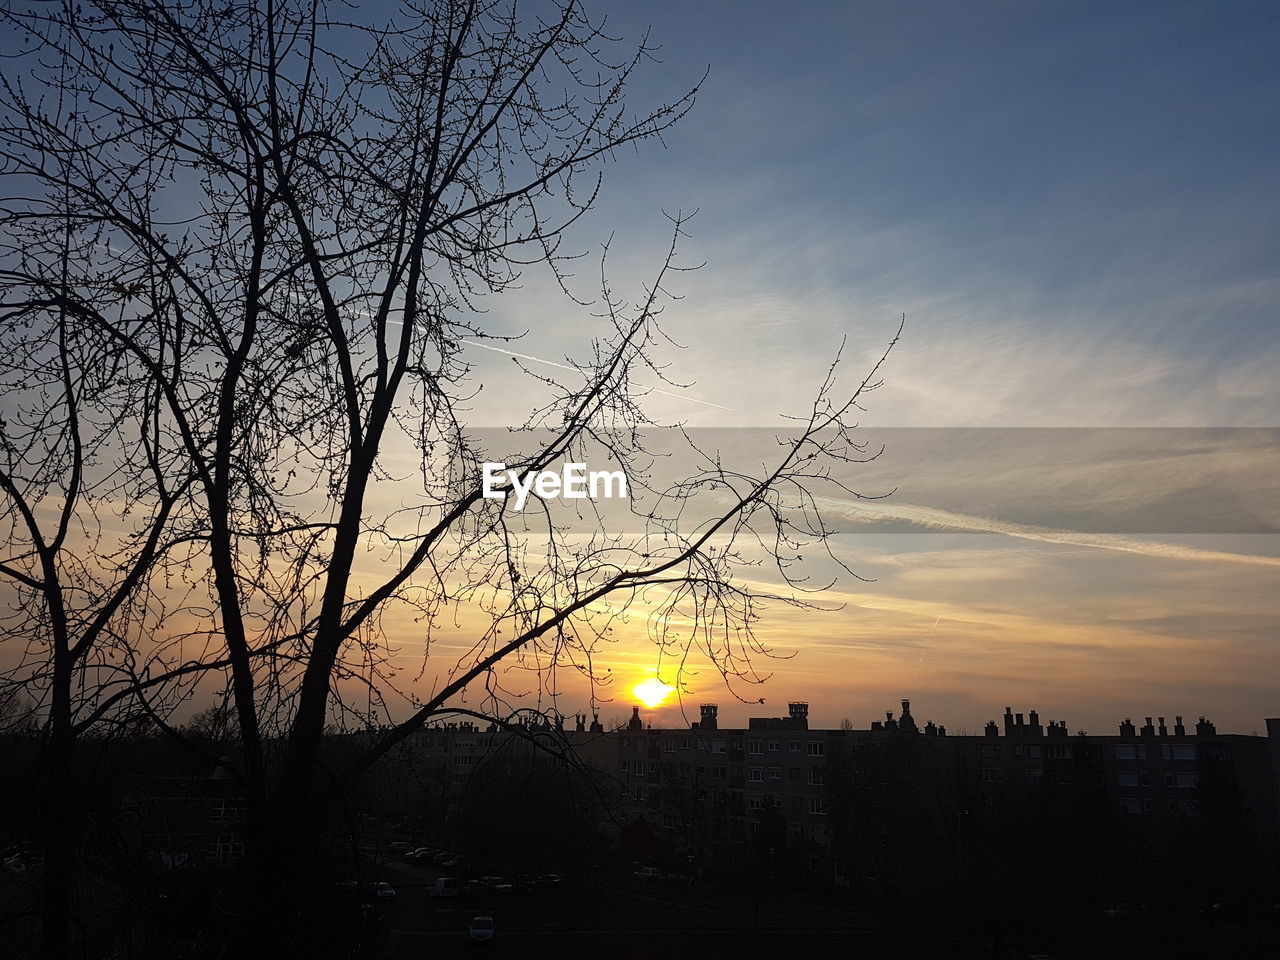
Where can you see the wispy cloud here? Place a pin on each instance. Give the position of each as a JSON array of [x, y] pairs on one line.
[[565, 366]]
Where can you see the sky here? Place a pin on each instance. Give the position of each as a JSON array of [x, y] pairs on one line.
[[1075, 206]]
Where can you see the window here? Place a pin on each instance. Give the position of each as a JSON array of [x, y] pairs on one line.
[[684, 743], [1031, 751], [755, 803], [719, 773], [817, 807], [774, 746], [1182, 781], [794, 746], [1129, 778], [793, 774], [816, 748], [717, 746], [755, 747], [1057, 751], [1178, 751], [668, 744], [991, 775], [990, 750], [755, 774], [815, 777], [653, 767], [775, 773], [224, 811], [1131, 751], [1130, 805], [225, 847], [626, 766]]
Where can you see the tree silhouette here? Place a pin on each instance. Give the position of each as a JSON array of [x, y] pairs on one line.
[[246, 244]]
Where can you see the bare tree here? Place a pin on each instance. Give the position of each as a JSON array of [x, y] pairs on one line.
[[253, 238], [85, 500]]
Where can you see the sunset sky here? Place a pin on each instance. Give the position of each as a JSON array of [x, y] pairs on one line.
[[1076, 207]]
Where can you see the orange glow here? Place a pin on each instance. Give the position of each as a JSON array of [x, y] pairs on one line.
[[652, 692]]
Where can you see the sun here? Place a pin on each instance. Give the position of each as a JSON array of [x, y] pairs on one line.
[[652, 692]]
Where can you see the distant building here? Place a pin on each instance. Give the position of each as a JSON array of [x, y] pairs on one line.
[[848, 807]]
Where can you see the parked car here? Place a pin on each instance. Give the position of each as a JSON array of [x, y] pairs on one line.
[[483, 928], [547, 881], [399, 847], [444, 887], [383, 891], [500, 885], [648, 873]]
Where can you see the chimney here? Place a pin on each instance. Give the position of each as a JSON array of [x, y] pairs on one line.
[[1147, 729], [1205, 728], [581, 722], [907, 722], [991, 730], [1164, 731], [799, 715], [709, 711], [596, 725], [942, 731], [634, 723], [1008, 721], [1034, 728], [1179, 730], [930, 730], [1126, 728]]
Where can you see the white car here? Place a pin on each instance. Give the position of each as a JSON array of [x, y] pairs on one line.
[[483, 928]]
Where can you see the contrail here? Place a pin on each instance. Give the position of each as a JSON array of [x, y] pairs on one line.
[[946, 520]]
